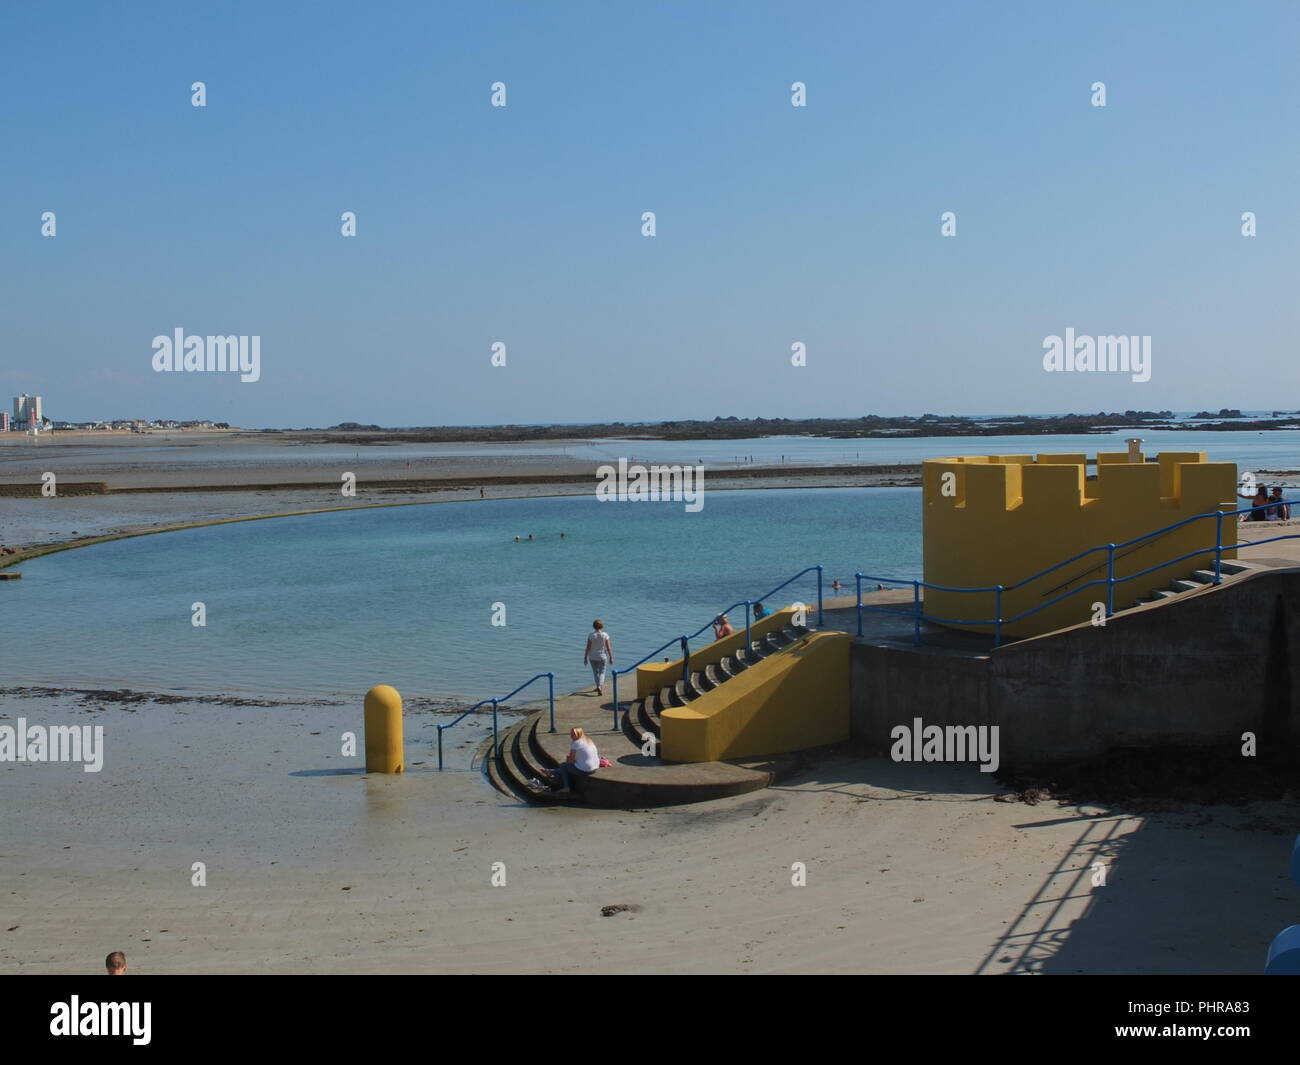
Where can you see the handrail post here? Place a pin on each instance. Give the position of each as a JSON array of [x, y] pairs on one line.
[[997, 621], [686, 663], [496, 743], [1110, 579], [550, 685], [820, 619], [440, 727], [1218, 548], [916, 607], [749, 652], [858, 578], [614, 705]]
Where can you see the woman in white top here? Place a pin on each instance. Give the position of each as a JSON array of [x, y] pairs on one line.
[[583, 760], [599, 654]]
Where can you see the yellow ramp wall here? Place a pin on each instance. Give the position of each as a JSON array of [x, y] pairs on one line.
[[655, 675], [792, 700], [1012, 516]]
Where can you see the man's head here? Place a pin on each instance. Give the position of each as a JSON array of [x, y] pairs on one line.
[[1277, 492], [115, 963]]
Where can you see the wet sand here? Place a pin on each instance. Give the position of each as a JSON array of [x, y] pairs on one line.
[[314, 867]]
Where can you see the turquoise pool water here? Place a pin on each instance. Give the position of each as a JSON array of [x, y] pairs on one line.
[[334, 603]]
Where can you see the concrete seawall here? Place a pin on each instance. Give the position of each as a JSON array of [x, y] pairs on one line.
[[1202, 669]]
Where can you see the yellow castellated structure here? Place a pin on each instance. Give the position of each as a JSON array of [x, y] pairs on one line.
[[998, 519]]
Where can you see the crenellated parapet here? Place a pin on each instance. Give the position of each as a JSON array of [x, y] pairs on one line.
[[998, 519]]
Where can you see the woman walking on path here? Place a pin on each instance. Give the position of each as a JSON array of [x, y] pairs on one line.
[[599, 654]]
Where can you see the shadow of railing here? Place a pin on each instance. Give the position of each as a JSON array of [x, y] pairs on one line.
[[1046, 922]]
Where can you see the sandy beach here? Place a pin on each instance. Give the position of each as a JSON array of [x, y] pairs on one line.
[[314, 867]]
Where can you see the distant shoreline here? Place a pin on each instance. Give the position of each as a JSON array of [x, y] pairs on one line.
[[908, 471], [868, 427]]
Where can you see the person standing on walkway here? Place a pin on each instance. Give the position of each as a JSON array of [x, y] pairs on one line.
[[599, 654]]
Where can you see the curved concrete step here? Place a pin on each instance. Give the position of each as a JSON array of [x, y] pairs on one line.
[[648, 720], [499, 769], [632, 726], [635, 781], [517, 764], [488, 766], [638, 736], [528, 758]]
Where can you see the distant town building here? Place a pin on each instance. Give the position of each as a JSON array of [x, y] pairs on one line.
[[28, 417], [27, 410]]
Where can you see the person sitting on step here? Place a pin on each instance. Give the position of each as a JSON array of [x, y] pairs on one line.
[[1277, 509], [583, 760]]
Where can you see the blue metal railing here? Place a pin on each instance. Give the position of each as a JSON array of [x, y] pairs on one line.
[[1110, 580], [684, 641], [496, 741]]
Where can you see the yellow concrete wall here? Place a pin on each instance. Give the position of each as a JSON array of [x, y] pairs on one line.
[[652, 676], [1013, 516], [792, 700]]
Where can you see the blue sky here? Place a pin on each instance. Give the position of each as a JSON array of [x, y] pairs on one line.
[[522, 224]]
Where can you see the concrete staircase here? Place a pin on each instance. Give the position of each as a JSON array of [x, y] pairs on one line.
[[641, 722], [1195, 581], [529, 749]]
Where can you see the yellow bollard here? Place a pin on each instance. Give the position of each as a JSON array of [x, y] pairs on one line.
[[383, 730]]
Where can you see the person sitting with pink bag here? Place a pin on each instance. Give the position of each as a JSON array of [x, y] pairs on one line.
[[583, 760]]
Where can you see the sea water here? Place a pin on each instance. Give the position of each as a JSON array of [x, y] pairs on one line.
[[335, 603]]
